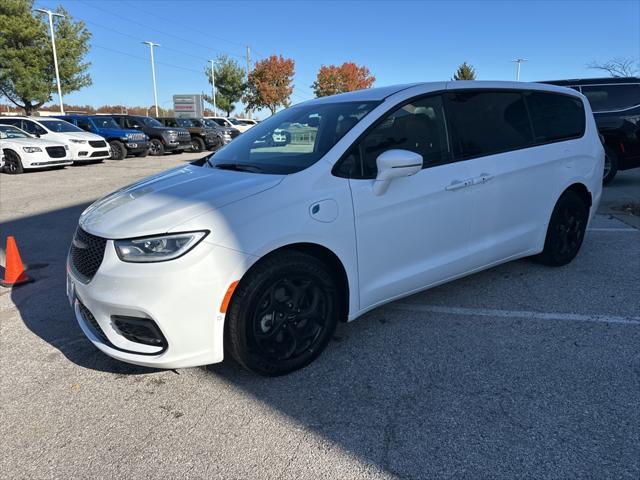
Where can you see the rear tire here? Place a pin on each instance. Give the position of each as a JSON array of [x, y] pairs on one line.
[[282, 314], [197, 145], [118, 150], [156, 148], [566, 229], [12, 163], [610, 165]]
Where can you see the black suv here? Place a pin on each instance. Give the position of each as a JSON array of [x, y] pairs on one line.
[[616, 107], [201, 136], [161, 139]]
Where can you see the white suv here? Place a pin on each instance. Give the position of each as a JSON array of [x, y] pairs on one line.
[[22, 151], [260, 249], [84, 147]]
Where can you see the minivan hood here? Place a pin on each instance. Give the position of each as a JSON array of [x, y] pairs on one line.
[[78, 135], [30, 142], [156, 204]]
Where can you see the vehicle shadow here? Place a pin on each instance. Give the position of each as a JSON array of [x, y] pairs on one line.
[[43, 304]]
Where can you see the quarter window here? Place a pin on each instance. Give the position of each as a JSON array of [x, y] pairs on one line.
[[555, 116], [488, 122], [418, 126]]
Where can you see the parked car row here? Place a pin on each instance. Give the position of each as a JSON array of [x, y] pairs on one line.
[[94, 138]]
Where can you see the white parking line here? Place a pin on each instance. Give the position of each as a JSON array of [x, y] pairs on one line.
[[613, 230], [482, 312]]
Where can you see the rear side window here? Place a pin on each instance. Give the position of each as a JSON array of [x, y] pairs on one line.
[[555, 116], [488, 122], [612, 97]]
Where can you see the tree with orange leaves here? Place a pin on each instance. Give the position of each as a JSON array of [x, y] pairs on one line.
[[347, 77], [270, 84]]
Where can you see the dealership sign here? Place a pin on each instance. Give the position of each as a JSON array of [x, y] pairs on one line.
[[188, 105]]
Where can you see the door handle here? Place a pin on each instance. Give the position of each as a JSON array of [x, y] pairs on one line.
[[482, 178], [457, 185]]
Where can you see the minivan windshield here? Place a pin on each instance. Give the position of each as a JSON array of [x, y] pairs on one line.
[[291, 140], [59, 126]]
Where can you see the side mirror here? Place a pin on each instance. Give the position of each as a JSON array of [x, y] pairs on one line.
[[395, 164]]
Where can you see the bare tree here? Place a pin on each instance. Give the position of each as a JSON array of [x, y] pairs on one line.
[[618, 67]]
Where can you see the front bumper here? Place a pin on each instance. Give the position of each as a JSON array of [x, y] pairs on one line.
[[170, 146], [135, 146], [83, 152], [182, 296]]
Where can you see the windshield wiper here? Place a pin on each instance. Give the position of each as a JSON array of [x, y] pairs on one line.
[[238, 167]]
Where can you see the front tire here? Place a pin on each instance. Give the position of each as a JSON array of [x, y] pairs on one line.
[[610, 165], [197, 145], [156, 148], [118, 150], [12, 163], [566, 229], [282, 314]]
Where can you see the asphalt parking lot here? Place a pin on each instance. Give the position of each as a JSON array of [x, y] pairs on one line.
[[522, 371]]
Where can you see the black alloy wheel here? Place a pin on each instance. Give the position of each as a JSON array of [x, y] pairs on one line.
[[12, 163], [566, 230], [118, 150], [283, 314], [610, 165], [197, 145], [155, 147]]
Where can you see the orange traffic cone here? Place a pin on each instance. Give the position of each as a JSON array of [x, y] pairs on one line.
[[14, 273]]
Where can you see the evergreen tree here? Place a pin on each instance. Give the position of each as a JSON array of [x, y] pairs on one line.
[[465, 72]]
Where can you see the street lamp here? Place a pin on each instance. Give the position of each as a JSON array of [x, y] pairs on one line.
[[519, 61], [153, 73], [213, 88], [51, 14]]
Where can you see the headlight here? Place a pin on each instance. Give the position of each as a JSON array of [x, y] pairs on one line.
[[73, 140], [31, 149], [159, 248]]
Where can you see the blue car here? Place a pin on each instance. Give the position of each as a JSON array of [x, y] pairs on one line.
[[122, 141]]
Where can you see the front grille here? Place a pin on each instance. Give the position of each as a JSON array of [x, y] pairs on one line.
[[100, 153], [139, 330], [184, 136], [98, 143], [93, 323], [56, 152], [86, 254], [136, 136]]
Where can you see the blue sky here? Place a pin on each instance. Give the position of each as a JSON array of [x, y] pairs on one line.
[[400, 41]]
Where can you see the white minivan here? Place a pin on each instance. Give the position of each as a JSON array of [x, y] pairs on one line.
[[84, 147], [261, 249]]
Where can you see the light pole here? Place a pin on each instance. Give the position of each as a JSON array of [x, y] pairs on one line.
[[51, 14], [153, 73], [213, 88], [519, 61]]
